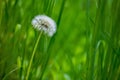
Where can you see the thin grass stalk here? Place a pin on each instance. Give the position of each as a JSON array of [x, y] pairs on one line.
[[22, 61], [52, 39], [99, 66], [87, 36], [32, 57], [61, 11]]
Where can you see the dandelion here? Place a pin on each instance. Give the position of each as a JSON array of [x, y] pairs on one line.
[[45, 24]]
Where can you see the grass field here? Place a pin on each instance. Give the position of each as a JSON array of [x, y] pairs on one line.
[[86, 45]]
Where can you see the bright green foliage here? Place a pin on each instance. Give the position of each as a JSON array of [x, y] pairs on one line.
[[86, 45]]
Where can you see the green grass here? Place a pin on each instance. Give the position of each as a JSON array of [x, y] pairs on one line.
[[86, 45]]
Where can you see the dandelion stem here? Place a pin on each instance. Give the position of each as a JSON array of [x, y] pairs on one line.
[[31, 60]]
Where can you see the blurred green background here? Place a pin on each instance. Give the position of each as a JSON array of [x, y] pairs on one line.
[[85, 47]]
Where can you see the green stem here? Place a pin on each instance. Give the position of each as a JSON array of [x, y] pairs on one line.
[[33, 54]]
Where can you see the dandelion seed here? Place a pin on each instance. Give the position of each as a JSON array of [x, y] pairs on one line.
[[45, 24]]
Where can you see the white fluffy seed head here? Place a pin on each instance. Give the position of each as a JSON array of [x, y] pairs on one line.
[[45, 24]]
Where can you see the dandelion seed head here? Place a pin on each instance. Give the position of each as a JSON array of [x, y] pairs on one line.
[[45, 24]]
